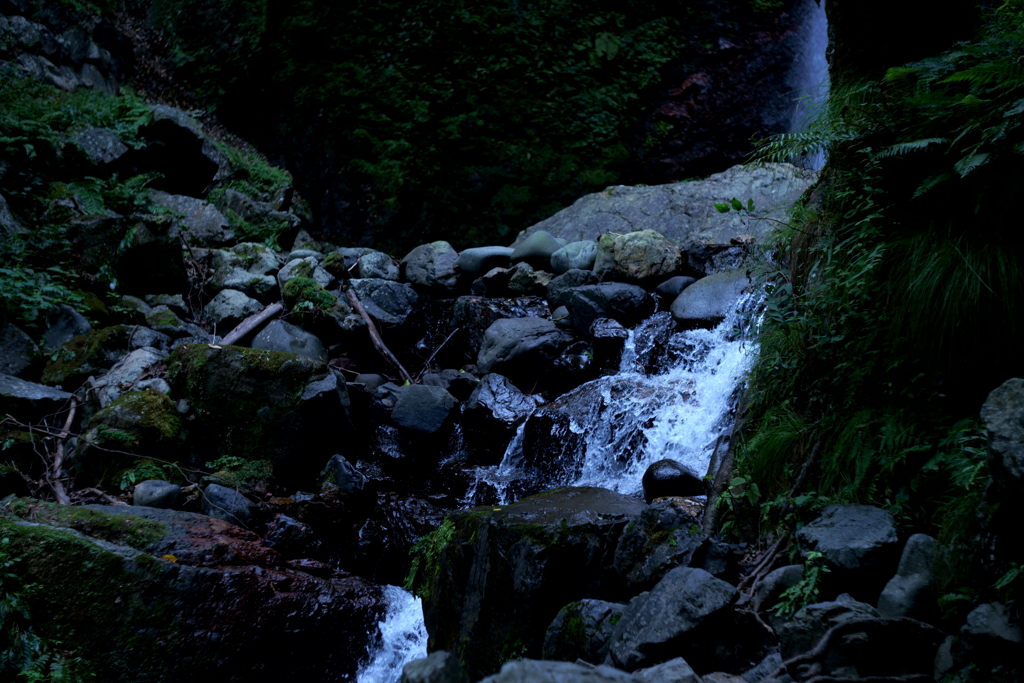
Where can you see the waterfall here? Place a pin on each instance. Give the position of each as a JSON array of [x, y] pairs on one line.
[[401, 638], [808, 77]]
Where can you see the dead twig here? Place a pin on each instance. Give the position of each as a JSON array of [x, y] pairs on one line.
[[56, 479], [251, 323], [105, 496], [426, 364], [765, 563]]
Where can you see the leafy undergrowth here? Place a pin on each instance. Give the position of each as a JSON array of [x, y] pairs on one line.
[[897, 305]]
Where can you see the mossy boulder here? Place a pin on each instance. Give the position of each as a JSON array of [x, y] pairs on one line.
[[282, 408], [137, 424], [87, 354], [492, 579], [160, 595]]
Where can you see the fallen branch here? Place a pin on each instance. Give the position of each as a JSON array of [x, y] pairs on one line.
[[56, 482], [378, 343], [251, 323], [105, 496], [427, 363], [765, 562]]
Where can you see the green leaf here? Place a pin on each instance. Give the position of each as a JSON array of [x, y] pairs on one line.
[[737, 204], [722, 208]]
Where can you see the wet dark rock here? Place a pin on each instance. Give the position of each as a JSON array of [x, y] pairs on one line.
[[155, 493], [664, 537], [493, 283], [382, 402], [560, 289], [196, 597], [460, 384], [684, 614], [674, 286], [911, 593], [221, 502], [536, 250], [582, 630], [810, 623], [476, 261], [437, 667], [287, 338], [628, 304], [388, 532], [472, 315], [721, 560], [432, 267], [290, 537], [859, 544], [520, 348], [18, 353], [187, 159], [343, 474], [63, 323], [388, 301], [1003, 414], [991, 633], [422, 409], [668, 477], [574, 256], [531, 671], [162, 319], [506, 571], [711, 298], [492, 414]]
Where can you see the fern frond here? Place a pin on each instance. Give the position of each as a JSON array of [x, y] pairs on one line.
[[931, 183], [903, 148], [1004, 74], [970, 163]]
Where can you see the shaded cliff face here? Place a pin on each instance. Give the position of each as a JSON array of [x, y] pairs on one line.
[[737, 82]]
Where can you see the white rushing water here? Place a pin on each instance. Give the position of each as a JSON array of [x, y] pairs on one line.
[[634, 419], [808, 78], [402, 637]]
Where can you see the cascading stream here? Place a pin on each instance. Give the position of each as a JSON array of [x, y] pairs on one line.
[[402, 637], [808, 78]]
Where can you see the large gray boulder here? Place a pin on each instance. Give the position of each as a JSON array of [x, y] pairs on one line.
[[910, 592], [281, 336], [684, 614], [520, 348], [536, 249], [1003, 414], [685, 212], [221, 502], [63, 324], [810, 623], [641, 256], [99, 146], [711, 298], [377, 265], [201, 223], [431, 266], [476, 261], [28, 401], [156, 493]]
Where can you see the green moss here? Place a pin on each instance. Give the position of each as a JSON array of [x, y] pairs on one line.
[[164, 319], [85, 354], [425, 555], [134, 532], [334, 263], [151, 414], [302, 290]]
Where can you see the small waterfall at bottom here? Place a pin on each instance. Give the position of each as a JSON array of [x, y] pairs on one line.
[[673, 397], [402, 638]]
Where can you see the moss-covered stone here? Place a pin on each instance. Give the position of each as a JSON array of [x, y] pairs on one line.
[[299, 290], [139, 423], [248, 403], [134, 532], [493, 578], [85, 355]]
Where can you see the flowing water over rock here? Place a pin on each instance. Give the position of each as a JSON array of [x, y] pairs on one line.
[[403, 638], [809, 77]]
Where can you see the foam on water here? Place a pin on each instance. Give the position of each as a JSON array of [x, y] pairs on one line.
[[402, 637]]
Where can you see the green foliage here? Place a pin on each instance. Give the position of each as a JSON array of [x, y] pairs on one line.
[[238, 472], [25, 653], [425, 555], [253, 175], [898, 303], [143, 470], [805, 591], [35, 275]]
